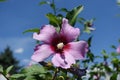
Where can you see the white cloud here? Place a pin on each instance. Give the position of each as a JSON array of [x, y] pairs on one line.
[[17, 44], [26, 60], [19, 50], [118, 1]]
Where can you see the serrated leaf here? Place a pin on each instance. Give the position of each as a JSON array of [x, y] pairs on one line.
[[34, 69], [30, 78], [17, 76], [9, 69], [32, 30], [1, 68], [72, 15]]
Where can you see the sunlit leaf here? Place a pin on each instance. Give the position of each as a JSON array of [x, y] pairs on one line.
[[34, 69], [32, 30], [72, 15], [9, 69], [54, 20], [1, 68], [17, 76], [30, 78]]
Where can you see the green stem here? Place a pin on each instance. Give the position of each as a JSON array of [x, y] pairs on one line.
[[55, 74], [54, 8]]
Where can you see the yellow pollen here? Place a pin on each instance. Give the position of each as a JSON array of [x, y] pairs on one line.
[[60, 45]]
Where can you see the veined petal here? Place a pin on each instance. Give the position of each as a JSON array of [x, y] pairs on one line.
[[65, 62], [77, 49], [42, 52], [46, 34], [69, 32]]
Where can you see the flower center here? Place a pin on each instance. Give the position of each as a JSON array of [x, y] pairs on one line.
[[60, 45]]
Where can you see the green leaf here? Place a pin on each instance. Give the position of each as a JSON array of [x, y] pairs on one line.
[[52, 5], [17, 76], [81, 20], [114, 76], [63, 10], [32, 30], [30, 78], [34, 69], [114, 47], [9, 69], [91, 56], [44, 2], [108, 69], [2, 0], [105, 55], [89, 41], [113, 54], [1, 69], [119, 40], [54, 20], [72, 15]]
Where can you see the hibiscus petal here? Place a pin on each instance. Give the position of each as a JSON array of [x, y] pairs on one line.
[[69, 32], [43, 52], [77, 49], [46, 34], [66, 62], [118, 49]]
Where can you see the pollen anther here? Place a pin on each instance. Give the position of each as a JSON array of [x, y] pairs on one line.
[[60, 45]]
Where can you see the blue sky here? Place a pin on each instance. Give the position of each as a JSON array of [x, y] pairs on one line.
[[19, 15]]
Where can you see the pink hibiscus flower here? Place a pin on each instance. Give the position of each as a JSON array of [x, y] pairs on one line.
[[61, 45], [118, 49]]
